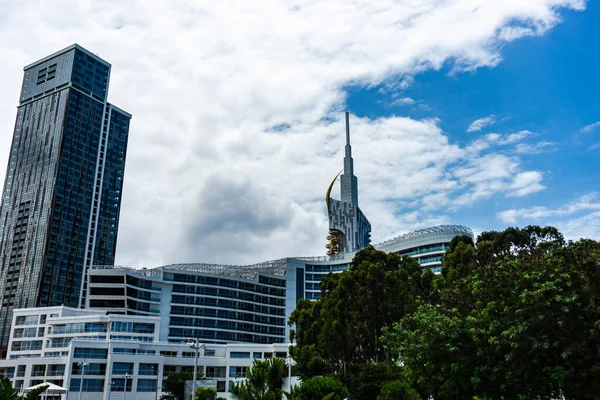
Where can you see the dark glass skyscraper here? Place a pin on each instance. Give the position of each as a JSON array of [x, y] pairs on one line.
[[62, 195]]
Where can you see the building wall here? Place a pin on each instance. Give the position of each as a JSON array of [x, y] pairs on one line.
[[92, 337], [214, 308], [61, 196], [349, 219]]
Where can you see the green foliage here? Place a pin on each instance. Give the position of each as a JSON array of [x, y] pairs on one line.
[[319, 388], [7, 392], [518, 318], [175, 385], [365, 381], [398, 390], [343, 328], [204, 393], [263, 381]]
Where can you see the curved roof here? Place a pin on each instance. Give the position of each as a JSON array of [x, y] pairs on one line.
[[424, 233]]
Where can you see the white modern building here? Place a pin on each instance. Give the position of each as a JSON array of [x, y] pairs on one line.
[[104, 356], [240, 304]]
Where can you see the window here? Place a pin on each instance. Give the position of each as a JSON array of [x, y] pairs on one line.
[[90, 369], [107, 303], [119, 384], [107, 291], [148, 369], [146, 352], [256, 355], [81, 352], [27, 346], [56, 370], [139, 327], [122, 368], [281, 354], [106, 279], [38, 370], [146, 385], [118, 326], [237, 372], [168, 353], [118, 350], [215, 372], [239, 354], [27, 320], [89, 385]]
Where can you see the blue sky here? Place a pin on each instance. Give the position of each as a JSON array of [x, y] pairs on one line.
[[548, 85], [463, 111]]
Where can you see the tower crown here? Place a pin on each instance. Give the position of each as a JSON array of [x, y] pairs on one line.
[[348, 181]]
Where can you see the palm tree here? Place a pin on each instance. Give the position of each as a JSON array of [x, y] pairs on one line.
[[7, 392], [263, 381]]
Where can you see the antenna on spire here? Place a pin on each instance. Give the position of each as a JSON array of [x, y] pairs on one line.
[[347, 128]]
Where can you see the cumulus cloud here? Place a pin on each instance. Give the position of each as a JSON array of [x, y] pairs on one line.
[[590, 201], [237, 127], [404, 101], [590, 128], [577, 219], [481, 123], [537, 148]]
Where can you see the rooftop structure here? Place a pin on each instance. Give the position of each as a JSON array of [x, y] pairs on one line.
[[349, 228]]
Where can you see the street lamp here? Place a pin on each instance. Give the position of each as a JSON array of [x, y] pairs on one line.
[[289, 361], [126, 376], [82, 365], [110, 388], [196, 345], [158, 371]]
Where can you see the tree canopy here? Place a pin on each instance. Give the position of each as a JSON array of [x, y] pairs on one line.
[[263, 381], [515, 315], [519, 318]]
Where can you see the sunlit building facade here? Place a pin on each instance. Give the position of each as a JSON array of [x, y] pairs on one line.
[[95, 356]]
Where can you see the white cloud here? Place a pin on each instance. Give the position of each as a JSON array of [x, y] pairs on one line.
[[206, 83], [510, 33], [590, 201], [481, 123], [577, 219], [595, 146], [540, 147], [404, 101], [591, 127]]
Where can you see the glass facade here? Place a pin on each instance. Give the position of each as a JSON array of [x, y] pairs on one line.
[[215, 309], [61, 199]]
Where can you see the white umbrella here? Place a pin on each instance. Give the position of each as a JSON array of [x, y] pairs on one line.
[[52, 388]]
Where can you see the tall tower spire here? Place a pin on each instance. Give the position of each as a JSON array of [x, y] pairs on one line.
[[349, 182]]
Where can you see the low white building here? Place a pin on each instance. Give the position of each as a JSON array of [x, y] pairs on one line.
[[118, 356]]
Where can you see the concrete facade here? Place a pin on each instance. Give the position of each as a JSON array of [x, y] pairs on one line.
[[124, 354]]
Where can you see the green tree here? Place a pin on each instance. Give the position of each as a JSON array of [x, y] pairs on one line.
[[398, 390], [517, 319], [318, 388], [7, 392], [174, 385], [204, 393], [343, 328], [364, 381], [263, 381]]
